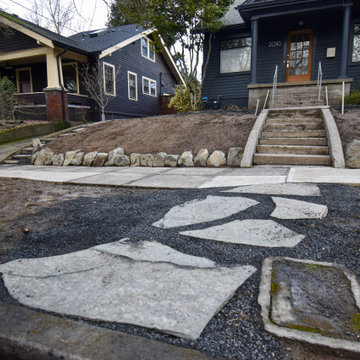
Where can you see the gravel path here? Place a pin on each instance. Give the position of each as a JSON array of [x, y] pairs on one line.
[[236, 331]]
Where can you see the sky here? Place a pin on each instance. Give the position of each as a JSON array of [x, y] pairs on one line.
[[93, 13]]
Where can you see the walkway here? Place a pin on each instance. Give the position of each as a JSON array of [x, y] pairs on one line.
[[181, 178]]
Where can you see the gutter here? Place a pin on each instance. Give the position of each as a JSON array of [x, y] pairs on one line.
[[62, 86]]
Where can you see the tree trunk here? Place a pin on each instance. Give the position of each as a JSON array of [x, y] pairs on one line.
[[102, 115], [205, 67]]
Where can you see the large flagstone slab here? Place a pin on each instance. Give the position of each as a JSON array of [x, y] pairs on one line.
[[296, 209], [100, 284], [278, 189], [265, 233], [199, 211]]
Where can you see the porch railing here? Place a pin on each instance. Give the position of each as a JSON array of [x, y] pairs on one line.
[[275, 81], [319, 80]]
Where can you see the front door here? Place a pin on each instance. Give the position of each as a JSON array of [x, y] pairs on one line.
[[299, 55]]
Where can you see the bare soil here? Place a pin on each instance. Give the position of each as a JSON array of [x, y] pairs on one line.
[[172, 134], [348, 125]]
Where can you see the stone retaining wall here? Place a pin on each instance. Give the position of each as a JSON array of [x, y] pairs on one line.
[[117, 157]]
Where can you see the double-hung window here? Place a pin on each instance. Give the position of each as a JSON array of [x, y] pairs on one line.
[[71, 77], [148, 86], [356, 44], [235, 55], [147, 49], [132, 86], [109, 79]]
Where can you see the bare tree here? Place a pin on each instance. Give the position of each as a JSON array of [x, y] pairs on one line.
[[98, 85], [53, 14]]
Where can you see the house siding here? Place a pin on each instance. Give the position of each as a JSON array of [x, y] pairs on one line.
[[327, 33], [130, 59], [13, 40]]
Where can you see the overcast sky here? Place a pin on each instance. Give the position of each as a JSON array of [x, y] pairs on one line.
[[93, 11]]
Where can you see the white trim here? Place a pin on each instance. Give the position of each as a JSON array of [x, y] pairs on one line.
[[136, 86], [104, 78], [150, 80], [148, 49], [110, 50], [170, 61]]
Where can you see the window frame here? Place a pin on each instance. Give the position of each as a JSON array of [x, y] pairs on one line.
[[149, 43], [77, 75], [357, 62], [242, 47], [150, 81], [104, 78], [136, 86], [17, 71]]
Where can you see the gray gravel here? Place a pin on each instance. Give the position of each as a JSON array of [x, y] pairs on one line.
[[236, 331]]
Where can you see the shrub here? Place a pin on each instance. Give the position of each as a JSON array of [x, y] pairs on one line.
[[7, 98], [353, 98], [181, 100]]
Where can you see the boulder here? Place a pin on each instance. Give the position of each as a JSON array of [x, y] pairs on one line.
[[89, 158], [201, 157], [44, 157], [146, 159], [352, 154], [159, 159], [58, 159], [216, 159], [113, 154], [33, 157], [234, 156], [36, 144], [77, 159], [69, 155], [171, 160], [100, 159], [186, 159], [121, 160], [135, 159]]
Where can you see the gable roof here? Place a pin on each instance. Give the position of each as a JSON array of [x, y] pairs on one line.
[[100, 40], [232, 16], [55, 38]]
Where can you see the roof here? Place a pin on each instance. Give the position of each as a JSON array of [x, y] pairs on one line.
[[99, 40], [232, 17], [54, 37]]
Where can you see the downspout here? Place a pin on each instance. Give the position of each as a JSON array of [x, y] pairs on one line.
[[160, 92], [62, 87]]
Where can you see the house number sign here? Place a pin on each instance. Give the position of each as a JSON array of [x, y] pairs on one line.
[[273, 44]]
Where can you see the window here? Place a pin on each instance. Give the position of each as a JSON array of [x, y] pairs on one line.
[[132, 86], [235, 55], [71, 77], [149, 86], [109, 79], [147, 49], [356, 44], [24, 80]]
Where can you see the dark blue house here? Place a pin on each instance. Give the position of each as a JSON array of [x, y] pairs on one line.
[[301, 39], [47, 70]]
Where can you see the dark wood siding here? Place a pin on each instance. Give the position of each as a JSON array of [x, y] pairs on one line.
[[130, 59], [13, 40], [230, 89]]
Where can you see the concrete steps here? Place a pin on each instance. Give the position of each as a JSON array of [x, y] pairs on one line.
[[292, 159], [293, 137]]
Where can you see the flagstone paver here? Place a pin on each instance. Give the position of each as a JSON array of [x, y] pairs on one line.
[[199, 211], [100, 284], [265, 233], [278, 189], [296, 209]]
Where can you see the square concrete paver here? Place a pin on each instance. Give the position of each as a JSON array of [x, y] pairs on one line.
[[226, 181], [171, 181]]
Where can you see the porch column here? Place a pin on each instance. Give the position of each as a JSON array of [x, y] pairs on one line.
[[52, 71], [254, 48], [345, 40]]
